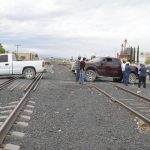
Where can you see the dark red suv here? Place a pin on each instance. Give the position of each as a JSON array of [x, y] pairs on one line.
[[107, 67]]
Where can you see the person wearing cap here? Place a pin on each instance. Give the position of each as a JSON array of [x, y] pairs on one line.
[[142, 77], [82, 71], [123, 69], [138, 69], [126, 73], [77, 68]]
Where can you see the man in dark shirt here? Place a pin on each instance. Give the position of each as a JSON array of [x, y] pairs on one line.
[[77, 68], [142, 77], [82, 71]]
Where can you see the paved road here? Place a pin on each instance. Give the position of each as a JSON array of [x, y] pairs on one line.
[[68, 116]]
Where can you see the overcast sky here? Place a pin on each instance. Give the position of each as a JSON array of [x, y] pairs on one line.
[[68, 28]]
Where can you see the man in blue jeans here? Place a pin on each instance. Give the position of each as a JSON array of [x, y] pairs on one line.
[[142, 77], [77, 68], [82, 71], [126, 73]]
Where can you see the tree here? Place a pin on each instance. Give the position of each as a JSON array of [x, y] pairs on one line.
[[92, 57], [134, 55], [2, 50], [138, 54], [147, 61], [131, 55]]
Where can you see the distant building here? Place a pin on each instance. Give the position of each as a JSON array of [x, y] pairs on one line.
[[125, 54], [128, 53], [144, 56], [27, 56]]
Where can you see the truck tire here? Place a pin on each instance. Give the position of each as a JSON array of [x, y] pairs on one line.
[[132, 78], [29, 73], [90, 75]]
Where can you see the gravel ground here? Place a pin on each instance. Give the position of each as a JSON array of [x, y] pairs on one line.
[[69, 116], [7, 96], [134, 88]]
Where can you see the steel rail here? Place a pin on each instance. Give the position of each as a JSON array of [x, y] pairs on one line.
[[145, 119], [28, 86], [35, 87], [143, 97], [8, 123], [7, 83]]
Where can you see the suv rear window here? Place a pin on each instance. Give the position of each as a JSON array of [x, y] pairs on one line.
[[116, 62], [109, 60], [97, 59]]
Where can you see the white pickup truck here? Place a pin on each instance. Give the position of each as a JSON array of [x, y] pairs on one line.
[[10, 66]]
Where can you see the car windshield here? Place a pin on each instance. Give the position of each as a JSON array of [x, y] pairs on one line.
[[97, 59]]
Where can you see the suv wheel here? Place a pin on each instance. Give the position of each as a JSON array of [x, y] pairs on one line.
[[29, 73], [90, 75], [132, 78]]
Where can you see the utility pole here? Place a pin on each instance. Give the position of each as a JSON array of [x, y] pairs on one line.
[[17, 50]]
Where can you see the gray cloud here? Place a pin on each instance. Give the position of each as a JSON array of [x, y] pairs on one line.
[[71, 27]]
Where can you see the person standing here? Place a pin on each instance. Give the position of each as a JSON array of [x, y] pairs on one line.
[[77, 68], [123, 70], [126, 73], [138, 68], [82, 71], [142, 77]]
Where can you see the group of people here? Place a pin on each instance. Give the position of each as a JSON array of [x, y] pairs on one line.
[[141, 71], [80, 70], [79, 67]]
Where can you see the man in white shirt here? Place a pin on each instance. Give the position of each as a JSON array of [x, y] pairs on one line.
[[139, 67], [123, 69]]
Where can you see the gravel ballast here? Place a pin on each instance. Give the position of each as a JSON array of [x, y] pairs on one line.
[[68, 116]]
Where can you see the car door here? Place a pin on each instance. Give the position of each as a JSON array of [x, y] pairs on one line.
[[116, 68], [106, 67], [4, 65]]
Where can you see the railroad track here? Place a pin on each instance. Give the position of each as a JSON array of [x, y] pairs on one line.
[[8, 123], [8, 82], [137, 104]]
